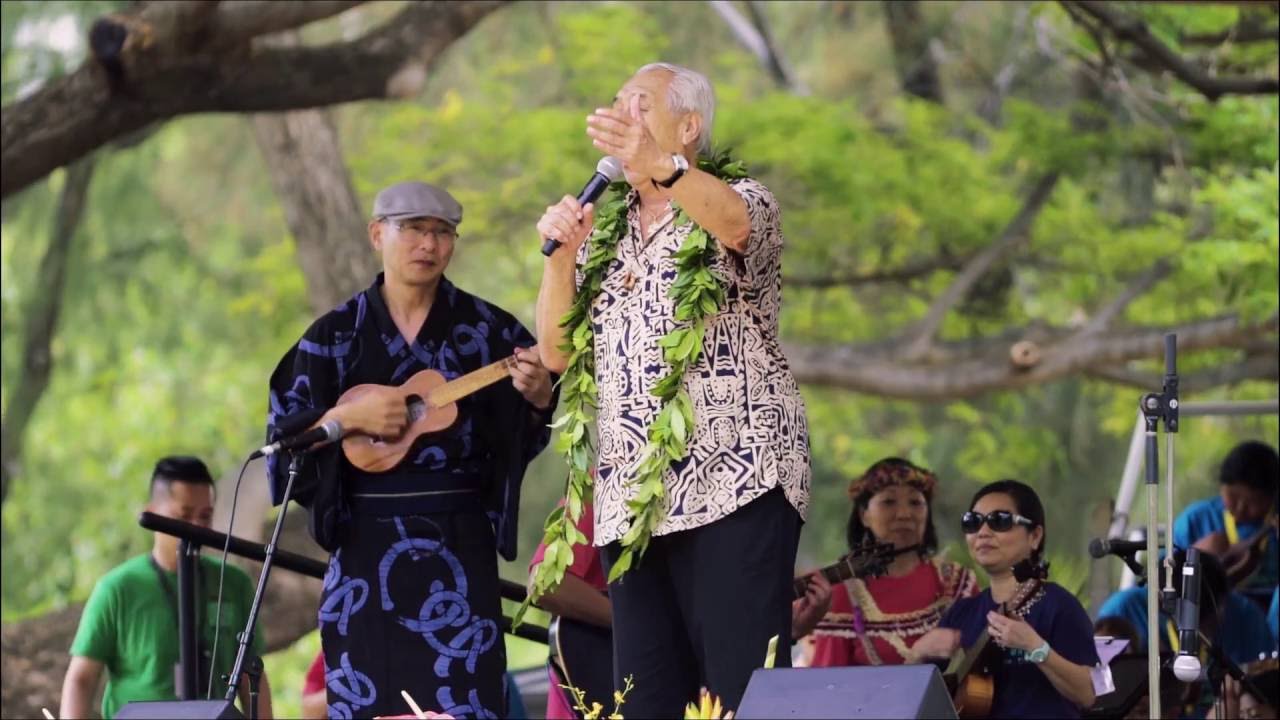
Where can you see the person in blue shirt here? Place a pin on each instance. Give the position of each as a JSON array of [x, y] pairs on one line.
[[1239, 524], [1046, 649], [1273, 615], [1238, 624], [1226, 618]]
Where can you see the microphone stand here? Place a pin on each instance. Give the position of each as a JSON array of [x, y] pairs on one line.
[[1223, 666], [1157, 407], [247, 662], [189, 678], [1139, 572]]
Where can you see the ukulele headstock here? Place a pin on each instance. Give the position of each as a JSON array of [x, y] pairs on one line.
[[870, 559], [1030, 579]]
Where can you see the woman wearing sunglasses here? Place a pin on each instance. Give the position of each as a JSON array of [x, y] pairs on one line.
[[873, 621], [1047, 648]]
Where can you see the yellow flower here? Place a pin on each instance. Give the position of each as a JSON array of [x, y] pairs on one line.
[[707, 708]]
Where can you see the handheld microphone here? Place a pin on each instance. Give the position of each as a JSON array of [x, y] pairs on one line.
[[607, 170], [1102, 547], [325, 433], [1186, 667]]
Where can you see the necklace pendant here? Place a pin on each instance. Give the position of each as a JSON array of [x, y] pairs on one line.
[[629, 280]]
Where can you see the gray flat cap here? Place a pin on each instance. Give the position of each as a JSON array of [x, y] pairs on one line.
[[416, 199]]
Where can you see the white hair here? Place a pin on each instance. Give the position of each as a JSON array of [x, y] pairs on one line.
[[689, 91]]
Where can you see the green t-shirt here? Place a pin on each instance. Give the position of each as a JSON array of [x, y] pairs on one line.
[[131, 626]]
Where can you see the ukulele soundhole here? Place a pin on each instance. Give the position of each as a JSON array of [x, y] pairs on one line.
[[417, 408]]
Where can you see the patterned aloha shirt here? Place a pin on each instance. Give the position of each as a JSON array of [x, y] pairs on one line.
[[750, 434]]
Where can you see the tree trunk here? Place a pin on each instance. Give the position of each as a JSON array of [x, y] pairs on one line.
[[42, 313], [34, 660], [917, 70], [304, 156]]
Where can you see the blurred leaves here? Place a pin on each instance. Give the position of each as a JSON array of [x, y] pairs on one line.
[[187, 290]]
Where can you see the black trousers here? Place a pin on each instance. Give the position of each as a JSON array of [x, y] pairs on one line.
[[700, 607]]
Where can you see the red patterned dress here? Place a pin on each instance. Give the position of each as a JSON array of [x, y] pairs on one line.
[[874, 621]]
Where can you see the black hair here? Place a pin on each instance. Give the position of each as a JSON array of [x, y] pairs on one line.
[[1253, 464], [856, 533], [1026, 503], [1119, 627], [179, 468]]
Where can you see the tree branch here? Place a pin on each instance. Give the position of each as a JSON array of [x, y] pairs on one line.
[[917, 68], [980, 366], [1260, 367], [42, 311], [1135, 31], [1139, 286], [910, 271], [754, 35], [1237, 34], [246, 19], [919, 340], [77, 113]]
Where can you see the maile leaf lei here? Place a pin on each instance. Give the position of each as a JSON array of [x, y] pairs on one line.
[[698, 294]]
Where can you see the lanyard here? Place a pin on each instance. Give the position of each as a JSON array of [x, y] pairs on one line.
[[169, 592], [1229, 520], [1233, 532]]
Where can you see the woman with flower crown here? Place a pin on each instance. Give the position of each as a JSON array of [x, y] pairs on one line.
[[873, 621]]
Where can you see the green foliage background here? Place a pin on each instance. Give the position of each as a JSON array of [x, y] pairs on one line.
[[184, 289]]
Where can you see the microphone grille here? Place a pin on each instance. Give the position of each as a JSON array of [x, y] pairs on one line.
[[1186, 668], [610, 167], [1098, 548], [333, 429]]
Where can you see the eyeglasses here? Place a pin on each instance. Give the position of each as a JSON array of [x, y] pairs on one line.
[[423, 230], [999, 521]]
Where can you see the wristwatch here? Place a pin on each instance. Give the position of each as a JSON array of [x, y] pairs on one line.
[[682, 166], [1040, 654]]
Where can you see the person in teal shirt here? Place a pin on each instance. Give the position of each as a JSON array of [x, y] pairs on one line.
[[1227, 619], [1273, 615], [1240, 520], [129, 626]]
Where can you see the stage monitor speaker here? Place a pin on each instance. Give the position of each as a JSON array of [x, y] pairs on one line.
[[892, 691], [180, 710]]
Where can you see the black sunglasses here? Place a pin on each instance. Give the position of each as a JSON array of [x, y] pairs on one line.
[[999, 520]]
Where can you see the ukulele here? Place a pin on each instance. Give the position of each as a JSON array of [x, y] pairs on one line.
[[870, 559], [1241, 560], [972, 686], [432, 405]]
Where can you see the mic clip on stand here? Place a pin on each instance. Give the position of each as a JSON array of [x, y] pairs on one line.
[[248, 662], [1156, 408]]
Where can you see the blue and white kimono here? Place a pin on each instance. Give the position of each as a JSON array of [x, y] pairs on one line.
[[411, 597]]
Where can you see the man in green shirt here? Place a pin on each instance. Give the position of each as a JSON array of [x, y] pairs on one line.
[[130, 623]]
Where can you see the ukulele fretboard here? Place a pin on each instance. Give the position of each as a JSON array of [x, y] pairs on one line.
[[471, 382]]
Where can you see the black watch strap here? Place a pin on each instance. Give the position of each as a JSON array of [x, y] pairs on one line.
[[679, 173]]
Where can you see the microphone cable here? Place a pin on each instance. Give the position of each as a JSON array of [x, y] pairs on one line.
[[222, 572]]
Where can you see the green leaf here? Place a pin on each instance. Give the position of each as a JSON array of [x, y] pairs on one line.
[[622, 565], [678, 429]]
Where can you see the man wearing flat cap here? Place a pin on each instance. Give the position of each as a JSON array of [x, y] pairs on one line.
[[411, 598]]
